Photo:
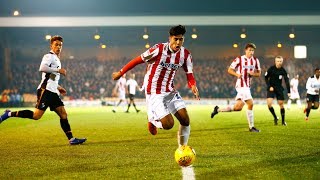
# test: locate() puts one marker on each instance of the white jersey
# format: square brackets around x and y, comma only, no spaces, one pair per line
[294,83]
[50,81]
[132,85]
[243,65]
[121,83]
[313,84]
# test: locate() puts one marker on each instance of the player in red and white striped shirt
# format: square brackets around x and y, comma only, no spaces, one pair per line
[244,68]
[164,59]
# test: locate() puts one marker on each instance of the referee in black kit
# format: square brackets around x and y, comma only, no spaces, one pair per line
[273,78]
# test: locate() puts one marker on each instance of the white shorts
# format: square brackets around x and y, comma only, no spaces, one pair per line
[122,95]
[243,94]
[160,105]
[294,96]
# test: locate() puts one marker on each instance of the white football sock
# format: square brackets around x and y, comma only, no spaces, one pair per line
[250,118]
[183,135]
[299,103]
[289,104]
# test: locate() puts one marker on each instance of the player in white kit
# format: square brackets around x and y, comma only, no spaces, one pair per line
[132,86]
[120,90]
[48,91]
[294,92]
[313,88]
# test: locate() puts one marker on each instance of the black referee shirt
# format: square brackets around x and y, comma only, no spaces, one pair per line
[274,78]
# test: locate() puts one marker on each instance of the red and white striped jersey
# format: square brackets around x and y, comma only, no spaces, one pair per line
[162,66]
[243,65]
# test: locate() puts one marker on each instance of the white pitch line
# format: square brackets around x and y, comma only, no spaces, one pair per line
[188,173]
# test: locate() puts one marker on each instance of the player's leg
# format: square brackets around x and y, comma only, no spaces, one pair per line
[34,115]
[315,102]
[134,104]
[57,106]
[158,113]
[315,105]
[184,127]
[282,112]
[299,103]
[116,105]
[65,126]
[250,116]
[270,97]
[236,107]
[177,107]
[41,106]
[129,104]
[309,106]
[289,103]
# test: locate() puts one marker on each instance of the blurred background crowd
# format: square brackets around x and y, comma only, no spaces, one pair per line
[90,79]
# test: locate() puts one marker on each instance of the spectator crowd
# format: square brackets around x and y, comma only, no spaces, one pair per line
[91,79]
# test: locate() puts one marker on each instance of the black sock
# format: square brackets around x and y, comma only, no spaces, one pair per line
[128,107]
[23,114]
[134,105]
[283,112]
[66,128]
[272,112]
[308,112]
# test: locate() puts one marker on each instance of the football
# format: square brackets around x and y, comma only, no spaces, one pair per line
[185,155]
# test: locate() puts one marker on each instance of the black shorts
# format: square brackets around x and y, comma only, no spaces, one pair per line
[47,99]
[131,97]
[312,98]
[278,94]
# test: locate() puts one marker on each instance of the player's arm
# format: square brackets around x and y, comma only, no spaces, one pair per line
[127,67]
[45,65]
[137,85]
[267,78]
[233,72]
[232,68]
[308,84]
[147,56]
[114,90]
[188,68]
[256,73]
[286,79]
[62,90]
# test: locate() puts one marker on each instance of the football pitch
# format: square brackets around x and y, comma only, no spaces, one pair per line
[119,146]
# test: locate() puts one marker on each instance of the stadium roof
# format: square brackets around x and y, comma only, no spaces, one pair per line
[158,8]
[279,16]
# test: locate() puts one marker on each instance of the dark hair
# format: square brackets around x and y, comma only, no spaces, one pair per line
[177,30]
[55,38]
[250,45]
[317,69]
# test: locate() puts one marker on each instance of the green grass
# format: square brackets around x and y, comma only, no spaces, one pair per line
[120,147]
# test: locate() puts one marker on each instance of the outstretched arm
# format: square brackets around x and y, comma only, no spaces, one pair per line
[127,67]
